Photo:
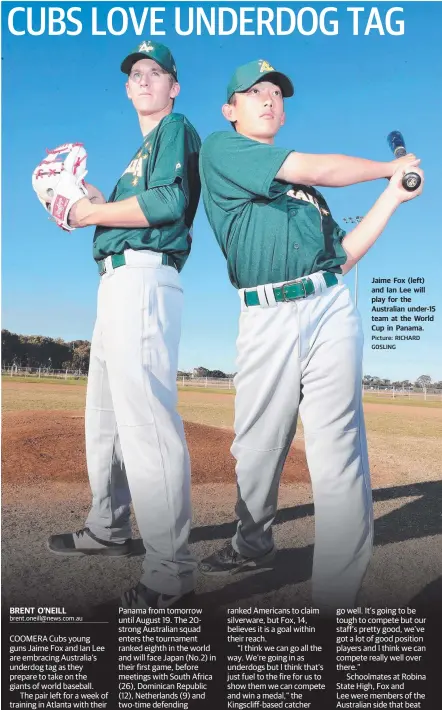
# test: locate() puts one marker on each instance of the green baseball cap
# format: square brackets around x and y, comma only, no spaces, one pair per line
[259,70]
[151,50]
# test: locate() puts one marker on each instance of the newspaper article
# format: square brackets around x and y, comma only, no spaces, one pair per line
[221,477]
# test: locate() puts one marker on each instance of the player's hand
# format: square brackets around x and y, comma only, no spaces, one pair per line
[82,209]
[94,194]
[395,188]
[398,163]
[79,212]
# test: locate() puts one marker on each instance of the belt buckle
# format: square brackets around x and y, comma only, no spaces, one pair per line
[302,281]
[289,283]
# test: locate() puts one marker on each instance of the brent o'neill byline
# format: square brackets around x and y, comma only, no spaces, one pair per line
[41,610]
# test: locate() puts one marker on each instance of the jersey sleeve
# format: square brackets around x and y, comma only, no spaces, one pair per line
[333,233]
[338,232]
[338,235]
[242,165]
[177,154]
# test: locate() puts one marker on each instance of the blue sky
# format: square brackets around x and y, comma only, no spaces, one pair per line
[350,92]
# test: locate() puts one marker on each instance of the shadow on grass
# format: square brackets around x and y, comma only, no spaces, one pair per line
[420,516]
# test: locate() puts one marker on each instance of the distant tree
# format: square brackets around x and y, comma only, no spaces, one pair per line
[12,349]
[372,381]
[80,357]
[218,374]
[201,372]
[423,381]
[34,350]
[402,384]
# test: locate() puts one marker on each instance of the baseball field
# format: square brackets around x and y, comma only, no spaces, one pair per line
[45,490]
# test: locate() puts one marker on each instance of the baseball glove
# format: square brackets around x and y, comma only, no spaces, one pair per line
[59,183]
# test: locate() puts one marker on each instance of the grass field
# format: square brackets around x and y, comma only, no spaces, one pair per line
[404,436]
[399,417]
[404,401]
[413,401]
[46,380]
[23,395]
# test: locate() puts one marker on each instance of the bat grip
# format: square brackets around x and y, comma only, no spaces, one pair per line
[411,180]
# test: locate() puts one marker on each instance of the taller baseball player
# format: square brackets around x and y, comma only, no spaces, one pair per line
[134,437]
[300,338]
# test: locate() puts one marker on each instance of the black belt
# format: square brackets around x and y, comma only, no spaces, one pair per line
[120,260]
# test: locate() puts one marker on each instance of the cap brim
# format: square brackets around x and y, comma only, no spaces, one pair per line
[281,80]
[127,64]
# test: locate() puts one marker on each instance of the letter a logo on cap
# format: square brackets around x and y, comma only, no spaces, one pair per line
[265,66]
[145,47]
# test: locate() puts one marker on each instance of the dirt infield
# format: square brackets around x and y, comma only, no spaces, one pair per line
[43,437]
[45,490]
[43,445]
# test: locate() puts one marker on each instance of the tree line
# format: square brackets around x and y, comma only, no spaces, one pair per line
[424,381]
[38,351]
[45,353]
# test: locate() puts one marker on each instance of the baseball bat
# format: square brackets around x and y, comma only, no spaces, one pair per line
[411,180]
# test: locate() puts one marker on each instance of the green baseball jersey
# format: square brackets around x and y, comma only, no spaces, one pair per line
[163,175]
[269,231]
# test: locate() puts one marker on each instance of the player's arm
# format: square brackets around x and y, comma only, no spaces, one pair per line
[91,209]
[126,213]
[167,203]
[336,170]
[163,202]
[357,242]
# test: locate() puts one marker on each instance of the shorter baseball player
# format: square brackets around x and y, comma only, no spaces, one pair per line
[300,338]
[134,437]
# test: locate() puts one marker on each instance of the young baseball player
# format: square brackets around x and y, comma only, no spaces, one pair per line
[300,338]
[135,442]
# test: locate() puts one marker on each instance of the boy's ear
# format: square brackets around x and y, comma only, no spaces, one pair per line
[229,112]
[175,90]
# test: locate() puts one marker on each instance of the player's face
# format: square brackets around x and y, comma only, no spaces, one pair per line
[259,111]
[150,88]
